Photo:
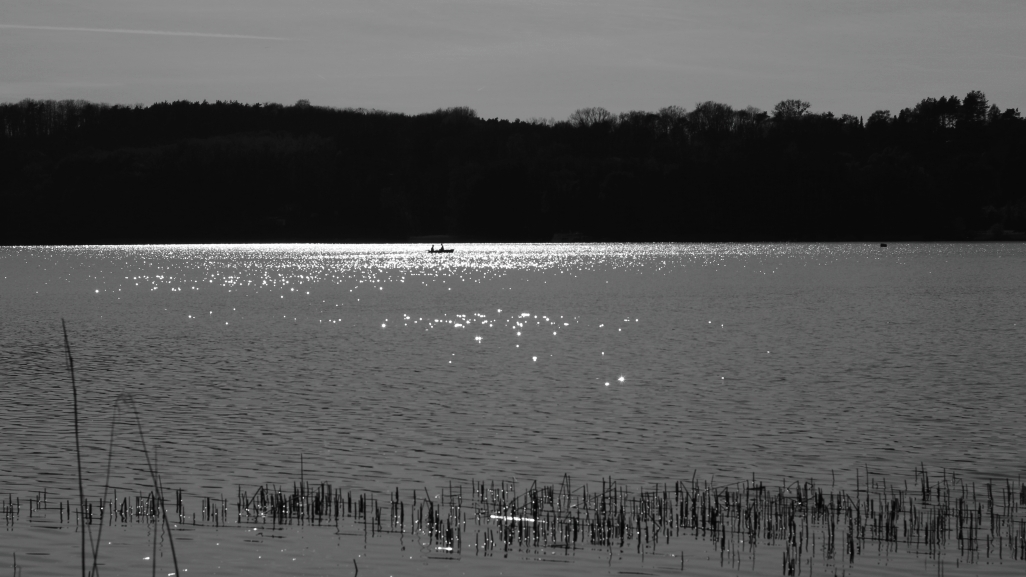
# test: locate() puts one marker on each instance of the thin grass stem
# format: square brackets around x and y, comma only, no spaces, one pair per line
[95,570]
[78,446]
[158,493]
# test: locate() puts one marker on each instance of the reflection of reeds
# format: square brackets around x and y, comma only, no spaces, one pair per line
[156,502]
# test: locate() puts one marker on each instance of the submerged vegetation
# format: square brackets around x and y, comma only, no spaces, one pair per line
[77,172]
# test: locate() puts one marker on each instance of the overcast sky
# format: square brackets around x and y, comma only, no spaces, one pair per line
[516,58]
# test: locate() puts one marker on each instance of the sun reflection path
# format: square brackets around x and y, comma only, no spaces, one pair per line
[288,271]
[523,331]
[297,266]
[330,287]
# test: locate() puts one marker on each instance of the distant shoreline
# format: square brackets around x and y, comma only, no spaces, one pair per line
[73,172]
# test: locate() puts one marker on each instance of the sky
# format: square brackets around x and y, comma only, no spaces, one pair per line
[516,58]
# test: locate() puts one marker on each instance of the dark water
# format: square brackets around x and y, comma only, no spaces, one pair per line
[385,367]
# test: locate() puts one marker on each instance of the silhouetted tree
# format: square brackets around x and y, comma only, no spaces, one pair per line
[583,117]
[673,121]
[974,107]
[790,109]
[878,119]
[711,116]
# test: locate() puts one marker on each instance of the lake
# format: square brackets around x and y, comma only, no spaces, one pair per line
[383,367]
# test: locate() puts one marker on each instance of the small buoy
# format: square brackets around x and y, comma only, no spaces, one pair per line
[883,245]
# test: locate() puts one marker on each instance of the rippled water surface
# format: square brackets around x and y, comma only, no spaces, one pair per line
[385,366]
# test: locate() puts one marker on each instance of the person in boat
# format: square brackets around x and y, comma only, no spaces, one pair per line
[432,248]
[442,249]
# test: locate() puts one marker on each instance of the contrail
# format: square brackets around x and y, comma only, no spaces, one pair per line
[152,32]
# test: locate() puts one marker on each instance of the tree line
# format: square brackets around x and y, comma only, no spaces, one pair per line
[78,172]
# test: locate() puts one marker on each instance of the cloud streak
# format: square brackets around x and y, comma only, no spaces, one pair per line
[143,32]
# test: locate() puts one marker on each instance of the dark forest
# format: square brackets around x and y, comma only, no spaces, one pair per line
[75,172]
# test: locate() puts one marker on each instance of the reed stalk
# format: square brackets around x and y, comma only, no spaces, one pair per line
[95,570]
[157,491]
[78,446]
[158,494]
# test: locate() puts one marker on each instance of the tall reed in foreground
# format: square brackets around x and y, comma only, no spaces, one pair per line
[127,399]
[70,362]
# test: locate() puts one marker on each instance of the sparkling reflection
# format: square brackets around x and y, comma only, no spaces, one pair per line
[369,348]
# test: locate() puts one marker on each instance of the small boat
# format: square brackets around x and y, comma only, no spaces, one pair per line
[433,250]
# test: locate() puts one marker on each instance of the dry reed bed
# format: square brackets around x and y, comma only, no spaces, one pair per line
[931,515]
